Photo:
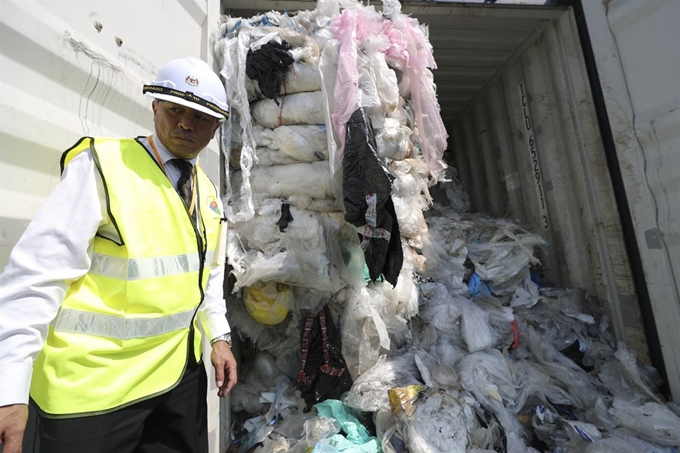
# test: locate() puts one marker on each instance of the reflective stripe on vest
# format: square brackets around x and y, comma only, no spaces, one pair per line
[141,268]
[78,321]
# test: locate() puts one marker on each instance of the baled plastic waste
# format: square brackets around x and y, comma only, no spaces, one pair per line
[450,302]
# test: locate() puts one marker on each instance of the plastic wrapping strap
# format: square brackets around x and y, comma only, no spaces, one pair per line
[514,326]
[324,337]
[368,232]
[302,378]
[326,368]
[331,371]
[372,209]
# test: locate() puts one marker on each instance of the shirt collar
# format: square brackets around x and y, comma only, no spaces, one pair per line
[166,155]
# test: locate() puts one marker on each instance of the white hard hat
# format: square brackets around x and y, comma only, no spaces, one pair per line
[192,83]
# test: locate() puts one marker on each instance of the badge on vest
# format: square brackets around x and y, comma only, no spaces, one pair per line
[212,202]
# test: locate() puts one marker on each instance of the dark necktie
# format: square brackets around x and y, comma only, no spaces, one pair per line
[184,181]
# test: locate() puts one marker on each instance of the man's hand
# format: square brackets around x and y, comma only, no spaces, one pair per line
[12,425]
[225,367]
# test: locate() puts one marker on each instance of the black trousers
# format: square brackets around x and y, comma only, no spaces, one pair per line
[173,422]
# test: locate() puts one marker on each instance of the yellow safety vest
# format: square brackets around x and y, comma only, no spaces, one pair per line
[122,333]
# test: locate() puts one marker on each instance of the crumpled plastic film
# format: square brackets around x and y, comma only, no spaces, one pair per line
[437,424]
[651,421]
[321,427]
[369,391]
[315,250]
[234,53]
[362,333]
[500,258]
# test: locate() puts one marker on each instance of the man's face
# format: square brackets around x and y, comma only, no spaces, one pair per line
[183,130]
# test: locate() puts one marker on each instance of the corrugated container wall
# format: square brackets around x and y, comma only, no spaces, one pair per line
[529,148]
[70,68]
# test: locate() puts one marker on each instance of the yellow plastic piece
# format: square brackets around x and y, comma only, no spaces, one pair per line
[403,398]
[268,302]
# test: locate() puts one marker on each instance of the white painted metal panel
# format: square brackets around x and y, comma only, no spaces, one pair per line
[62,79]
[539,113]
[63,74]
[636,46]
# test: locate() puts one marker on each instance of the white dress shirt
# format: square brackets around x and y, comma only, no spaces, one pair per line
[55,250]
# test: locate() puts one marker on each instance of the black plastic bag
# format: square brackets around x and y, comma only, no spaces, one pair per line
[268,65]
[367,186]
[324,374]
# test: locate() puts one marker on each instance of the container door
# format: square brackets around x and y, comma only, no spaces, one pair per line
[635,46]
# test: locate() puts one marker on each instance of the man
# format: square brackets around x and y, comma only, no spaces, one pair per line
[104,297]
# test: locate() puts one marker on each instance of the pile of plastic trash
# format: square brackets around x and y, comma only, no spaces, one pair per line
[372,319]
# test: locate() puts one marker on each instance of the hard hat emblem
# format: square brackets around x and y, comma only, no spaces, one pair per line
[192,81]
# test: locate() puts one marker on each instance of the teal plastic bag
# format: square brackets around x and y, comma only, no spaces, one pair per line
[356,438]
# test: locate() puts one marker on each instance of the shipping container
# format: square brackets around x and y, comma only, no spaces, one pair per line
[564,115]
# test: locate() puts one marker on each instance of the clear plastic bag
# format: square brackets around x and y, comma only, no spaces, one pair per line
[449,351]
[621,374]
[475,327]
[440,309]
[394,140]
[411,198]
[320,427]
[364,333]
[623,441]
[651,421]
[240,320]
[278,445]
[315,250]
[406,291]
[500,251]
[369,391]
[386,428]
[292,427]
[245,397]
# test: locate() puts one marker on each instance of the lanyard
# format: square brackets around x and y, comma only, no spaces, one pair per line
[160,161]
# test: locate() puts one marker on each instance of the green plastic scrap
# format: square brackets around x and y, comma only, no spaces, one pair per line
[357,439]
